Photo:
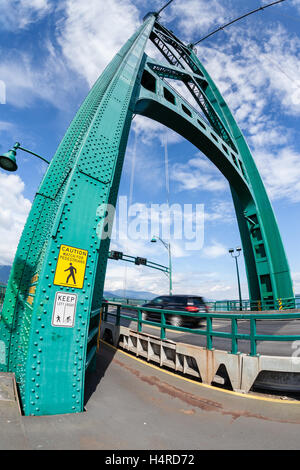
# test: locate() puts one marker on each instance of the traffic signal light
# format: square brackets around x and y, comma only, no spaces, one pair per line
[116,255]
[139,260]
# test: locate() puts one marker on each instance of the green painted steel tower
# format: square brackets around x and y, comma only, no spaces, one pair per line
[49,323]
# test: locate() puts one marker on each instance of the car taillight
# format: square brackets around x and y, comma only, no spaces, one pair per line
[192,309]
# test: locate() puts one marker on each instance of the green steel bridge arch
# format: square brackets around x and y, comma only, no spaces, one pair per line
[48,328]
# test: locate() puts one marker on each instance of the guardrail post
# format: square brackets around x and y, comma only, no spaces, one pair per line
[163,326]
[118,315]
[234,341]
[209,344]
[99,328]
[140,325]
[253,351]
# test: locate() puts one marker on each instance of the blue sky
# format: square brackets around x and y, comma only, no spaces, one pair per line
[53,51]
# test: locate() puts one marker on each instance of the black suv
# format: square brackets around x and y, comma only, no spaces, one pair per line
[186,303]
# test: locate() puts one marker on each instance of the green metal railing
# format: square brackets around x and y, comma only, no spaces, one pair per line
[126,300]
[231,305]
[253,337]
[257,305]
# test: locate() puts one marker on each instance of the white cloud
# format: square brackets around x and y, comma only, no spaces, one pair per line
[21,13]
[93,32]
[196,16]
[296,282]
[211,285]
[280,172]
[215,250]
[296,4]
[149,130]
[138,278]
[6,126]
[89,35]
[27,81]
[258,79]
[14,209]
[220,211]
[260,82]
[198,173]
[133,235]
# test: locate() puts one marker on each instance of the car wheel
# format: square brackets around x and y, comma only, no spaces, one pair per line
[176,320]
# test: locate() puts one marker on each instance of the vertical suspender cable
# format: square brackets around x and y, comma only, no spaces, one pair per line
[167,170]
[130,201]
[168,203]
[132,169]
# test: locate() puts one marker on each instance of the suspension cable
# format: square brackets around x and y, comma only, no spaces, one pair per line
[237,19]
[165,6]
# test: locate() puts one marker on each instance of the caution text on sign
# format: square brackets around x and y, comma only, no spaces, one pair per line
[70,267]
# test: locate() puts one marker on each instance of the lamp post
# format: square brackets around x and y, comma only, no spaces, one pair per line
[168,247]
[235,256]
[8,160]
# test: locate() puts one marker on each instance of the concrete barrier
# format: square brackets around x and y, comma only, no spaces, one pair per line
[209,366]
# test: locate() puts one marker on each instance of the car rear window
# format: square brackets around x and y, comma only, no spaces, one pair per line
[159,300]
[196,301]
[177,300]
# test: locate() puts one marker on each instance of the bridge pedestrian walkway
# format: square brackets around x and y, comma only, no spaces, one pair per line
[133,405]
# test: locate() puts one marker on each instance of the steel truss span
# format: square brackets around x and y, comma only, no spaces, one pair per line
[48,335]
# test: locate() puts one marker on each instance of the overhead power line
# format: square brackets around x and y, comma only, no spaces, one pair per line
[237,19]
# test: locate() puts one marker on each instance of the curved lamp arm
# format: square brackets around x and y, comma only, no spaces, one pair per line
[17,146]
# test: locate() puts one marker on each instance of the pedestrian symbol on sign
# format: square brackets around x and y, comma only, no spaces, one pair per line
[73,271]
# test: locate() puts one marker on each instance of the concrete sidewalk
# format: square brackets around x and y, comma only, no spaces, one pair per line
[131,405]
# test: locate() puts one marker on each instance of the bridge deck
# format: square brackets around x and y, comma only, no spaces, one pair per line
[131,405]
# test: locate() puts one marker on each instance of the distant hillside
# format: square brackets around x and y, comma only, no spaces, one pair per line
[130,294]
[109,294]
[4,274]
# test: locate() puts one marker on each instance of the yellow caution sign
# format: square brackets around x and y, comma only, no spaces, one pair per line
[70,267]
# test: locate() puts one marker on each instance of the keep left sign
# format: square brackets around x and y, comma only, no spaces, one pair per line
[64,310]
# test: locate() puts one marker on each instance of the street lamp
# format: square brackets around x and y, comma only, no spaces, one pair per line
[168,247]
[235,256]
[8,160]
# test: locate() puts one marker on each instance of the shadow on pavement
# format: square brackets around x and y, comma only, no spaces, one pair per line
[95,374]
